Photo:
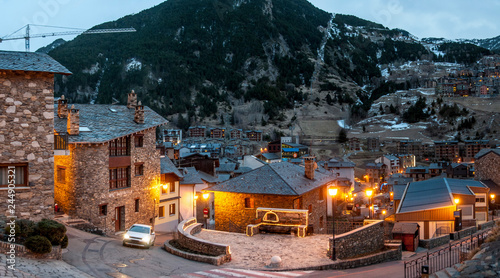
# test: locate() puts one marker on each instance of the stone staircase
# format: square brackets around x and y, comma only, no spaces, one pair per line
[447,272]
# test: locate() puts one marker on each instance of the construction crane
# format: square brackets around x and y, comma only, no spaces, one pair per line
[75,31]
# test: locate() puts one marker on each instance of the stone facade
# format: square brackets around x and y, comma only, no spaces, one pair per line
[23,252]
[365,240]
[231,214]
[27,140]
[487,167]
[86,186]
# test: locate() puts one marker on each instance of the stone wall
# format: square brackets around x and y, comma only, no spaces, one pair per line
[27,136]
[434,242]
[87,184]
[23,252]
[364,240]
[216,254]
[488,167]
[232,216]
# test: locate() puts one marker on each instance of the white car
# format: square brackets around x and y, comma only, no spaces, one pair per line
[139,235]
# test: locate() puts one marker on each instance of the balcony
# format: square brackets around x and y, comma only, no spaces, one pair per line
[61,144]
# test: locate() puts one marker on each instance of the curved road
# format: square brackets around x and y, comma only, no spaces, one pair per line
[105,257]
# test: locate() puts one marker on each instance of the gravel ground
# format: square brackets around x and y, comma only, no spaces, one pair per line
[256,252]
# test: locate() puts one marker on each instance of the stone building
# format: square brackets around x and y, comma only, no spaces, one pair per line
[278,185]
[487,165]
[110,175]
[27,133]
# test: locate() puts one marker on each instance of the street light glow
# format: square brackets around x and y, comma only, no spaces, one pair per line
[369,192]
[332,190]
[457,201]
[205,196]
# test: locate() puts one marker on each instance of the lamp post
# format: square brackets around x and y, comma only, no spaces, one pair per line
[332,191]
[456,203]
[369,193]
[492,198]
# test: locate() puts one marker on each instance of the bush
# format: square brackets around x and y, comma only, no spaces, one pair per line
[38,244]
[24,228]
[52,230]
[64,242]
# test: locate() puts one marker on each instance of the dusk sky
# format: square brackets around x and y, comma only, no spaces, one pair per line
[424,18]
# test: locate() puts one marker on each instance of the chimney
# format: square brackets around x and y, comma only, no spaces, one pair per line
[132,100]
[73,121]
[62,108]
[139,113]
[310,167]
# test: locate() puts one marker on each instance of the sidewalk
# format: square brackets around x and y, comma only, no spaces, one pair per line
[29,268]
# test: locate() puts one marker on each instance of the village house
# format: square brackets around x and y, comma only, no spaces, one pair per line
[197,131]
[110,175]
[254,135]
[217,132]
[447,150]
[170,205]
[375,173]
[432,203]
[341,169]
[27,133]
[236,133]
[279,185]
[487,168]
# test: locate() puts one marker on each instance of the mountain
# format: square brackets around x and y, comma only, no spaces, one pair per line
[243,61]
[46,49]
[192,56]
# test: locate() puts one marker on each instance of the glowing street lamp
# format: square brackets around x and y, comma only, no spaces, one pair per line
[205,196]
[456,203]
[332,191]
[492,200]
[369,193]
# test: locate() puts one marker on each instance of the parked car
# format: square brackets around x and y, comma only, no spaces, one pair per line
[139,235]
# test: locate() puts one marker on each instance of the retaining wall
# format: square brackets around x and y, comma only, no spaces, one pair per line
[363,240]
[23,252]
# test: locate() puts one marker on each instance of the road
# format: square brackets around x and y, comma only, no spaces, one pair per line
[106,257]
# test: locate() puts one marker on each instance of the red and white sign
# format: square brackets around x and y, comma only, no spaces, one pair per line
[205,212]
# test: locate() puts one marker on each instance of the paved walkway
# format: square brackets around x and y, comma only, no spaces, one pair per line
[256,252]
[29,268]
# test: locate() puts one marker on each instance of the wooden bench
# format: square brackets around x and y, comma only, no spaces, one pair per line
[278,220]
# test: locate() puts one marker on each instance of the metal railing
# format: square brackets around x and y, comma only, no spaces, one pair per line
[60,141]
[455,252]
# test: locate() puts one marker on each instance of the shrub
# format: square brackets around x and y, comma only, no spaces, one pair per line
[24,228]
[64,242]
[52,230]
[38,244]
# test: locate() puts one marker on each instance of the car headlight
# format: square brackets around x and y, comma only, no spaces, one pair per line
[126,236]
[146,238]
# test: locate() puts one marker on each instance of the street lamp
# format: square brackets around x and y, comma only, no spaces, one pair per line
[332,191]
[456,203]
[369,193]
[492,197]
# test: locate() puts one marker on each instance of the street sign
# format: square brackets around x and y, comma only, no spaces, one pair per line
[205,212]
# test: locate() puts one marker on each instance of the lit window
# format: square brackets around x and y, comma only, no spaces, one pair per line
[249,203]
[161,211]
[171,209]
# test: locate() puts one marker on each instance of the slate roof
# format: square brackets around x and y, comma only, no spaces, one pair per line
[398,190]
[434,193]
[282,178]
[341,164]
[191,176]
[106,125]
[272,156]
[484,152]
[167,167]
[207,177]
[226,167]
[405,228]
[30,61]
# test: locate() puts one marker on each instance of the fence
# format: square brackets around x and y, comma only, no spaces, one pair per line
[455,252]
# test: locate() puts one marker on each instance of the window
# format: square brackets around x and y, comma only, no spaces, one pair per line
[139,140]
[310,208]
[16,174]
[172,187]
[136,205]
[249,203]
[161,211]
[171,209]
[165,188]
[61,174]
[103,209]
[139,169]
[119,178]
[119,147]
[481,200]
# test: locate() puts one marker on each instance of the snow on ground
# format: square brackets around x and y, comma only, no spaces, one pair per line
[399,126]
[342,124]
[133,65]
[427,92]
